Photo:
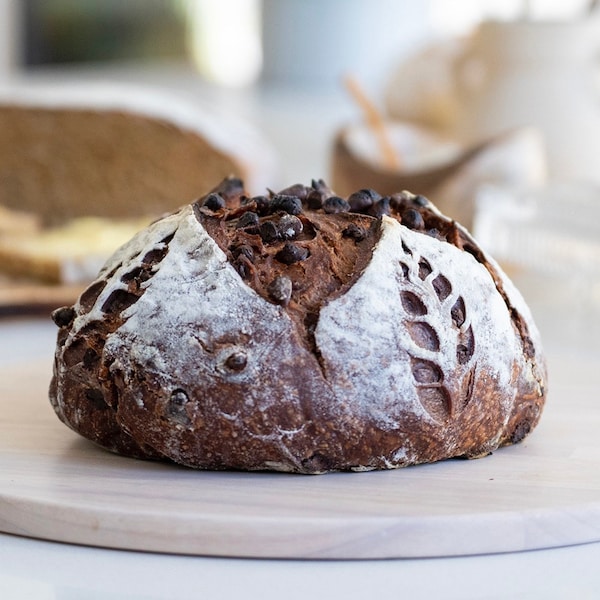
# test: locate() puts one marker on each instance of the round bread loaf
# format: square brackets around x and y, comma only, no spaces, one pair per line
[300,331]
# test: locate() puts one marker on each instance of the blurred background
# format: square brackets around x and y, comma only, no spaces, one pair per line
[234,42]
[411,57]
[489,107]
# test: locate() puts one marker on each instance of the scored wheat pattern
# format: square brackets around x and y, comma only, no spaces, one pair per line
[442,335]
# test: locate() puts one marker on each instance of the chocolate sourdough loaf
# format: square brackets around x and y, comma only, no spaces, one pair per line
[300,331]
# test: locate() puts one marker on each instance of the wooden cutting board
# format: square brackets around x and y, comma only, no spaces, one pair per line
[26,298]
[542,493]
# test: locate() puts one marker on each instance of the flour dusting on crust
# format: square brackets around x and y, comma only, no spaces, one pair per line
[415,351]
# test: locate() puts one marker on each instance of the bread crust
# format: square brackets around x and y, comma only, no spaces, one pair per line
[407,346]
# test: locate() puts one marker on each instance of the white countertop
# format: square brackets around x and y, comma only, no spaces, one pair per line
[41,570]
[35,570]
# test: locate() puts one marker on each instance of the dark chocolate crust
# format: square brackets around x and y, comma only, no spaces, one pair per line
[300,331]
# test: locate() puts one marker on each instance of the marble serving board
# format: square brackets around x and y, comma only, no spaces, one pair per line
[542,493]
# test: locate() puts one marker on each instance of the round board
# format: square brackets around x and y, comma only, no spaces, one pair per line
[542,493]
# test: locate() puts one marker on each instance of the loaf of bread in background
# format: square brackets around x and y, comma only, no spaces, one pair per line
[112,151]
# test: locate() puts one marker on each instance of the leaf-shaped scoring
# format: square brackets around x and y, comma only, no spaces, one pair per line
[444,341]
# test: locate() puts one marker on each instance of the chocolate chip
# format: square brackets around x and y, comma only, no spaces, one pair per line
[400,200]
[420,200]
[243,250]
[236,361]
[335,204]
[298,190]
[413,219]
[280,290]
[355,232]
[319,185]
[319,193]
[291,253]
[244,267]
[247,220]
[289,227]
[262,204]
[214,202]
[380,208]
[64,316]
[230,187]
[363,199]
[268,232]
[315,199]
[289,204]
